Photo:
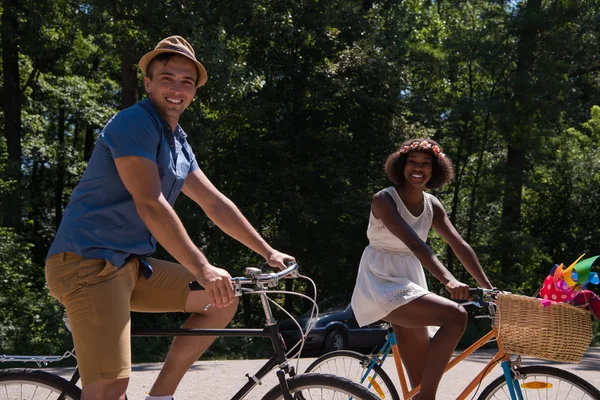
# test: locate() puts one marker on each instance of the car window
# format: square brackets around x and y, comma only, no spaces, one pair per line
[333,304]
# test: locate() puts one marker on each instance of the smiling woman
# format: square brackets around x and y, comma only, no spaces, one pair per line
[391,282]
[441,166]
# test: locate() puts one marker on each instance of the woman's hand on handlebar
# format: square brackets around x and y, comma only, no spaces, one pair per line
[458,290]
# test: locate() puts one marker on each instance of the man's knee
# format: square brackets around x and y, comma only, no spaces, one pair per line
[111,389]
[226,314]
[219,317]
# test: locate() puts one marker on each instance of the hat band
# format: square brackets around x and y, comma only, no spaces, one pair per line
[179,50]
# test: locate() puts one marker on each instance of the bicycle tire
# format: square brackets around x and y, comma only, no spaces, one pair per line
[32,384]
[321,387]
[352,365]
[543,382]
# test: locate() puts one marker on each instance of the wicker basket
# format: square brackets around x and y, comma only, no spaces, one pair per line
[559,332]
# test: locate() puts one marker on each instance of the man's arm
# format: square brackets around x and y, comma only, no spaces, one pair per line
[140,177]
[228,217]
[462,249]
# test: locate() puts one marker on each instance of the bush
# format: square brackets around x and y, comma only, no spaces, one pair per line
[30,320]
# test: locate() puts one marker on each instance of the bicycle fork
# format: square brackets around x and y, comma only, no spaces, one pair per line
[513,384]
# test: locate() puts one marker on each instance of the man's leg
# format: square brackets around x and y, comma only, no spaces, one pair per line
[105,389]
[96,297]
[168,290]
[186,350]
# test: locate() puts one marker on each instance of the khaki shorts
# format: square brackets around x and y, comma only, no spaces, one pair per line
[98,298]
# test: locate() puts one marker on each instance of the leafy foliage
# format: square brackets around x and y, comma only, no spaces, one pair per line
[30,321]
[305,100]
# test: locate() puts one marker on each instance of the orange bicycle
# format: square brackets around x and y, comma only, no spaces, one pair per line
[517,382]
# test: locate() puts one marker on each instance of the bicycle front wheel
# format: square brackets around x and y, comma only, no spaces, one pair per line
[321,387]
[542,382]
[354,366]
[30,384]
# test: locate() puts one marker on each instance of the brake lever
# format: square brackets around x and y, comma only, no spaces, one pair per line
[471,302]
[237,291]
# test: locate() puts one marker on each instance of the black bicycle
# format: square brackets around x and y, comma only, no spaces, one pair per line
[33,384]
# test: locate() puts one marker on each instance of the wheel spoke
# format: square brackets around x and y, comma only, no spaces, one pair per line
[354,366]
[543,383]
[23,384]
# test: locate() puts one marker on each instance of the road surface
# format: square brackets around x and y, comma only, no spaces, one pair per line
[220,379]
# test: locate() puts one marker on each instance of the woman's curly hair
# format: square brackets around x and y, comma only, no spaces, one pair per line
[442,171]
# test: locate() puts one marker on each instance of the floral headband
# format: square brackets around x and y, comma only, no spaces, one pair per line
[424,145]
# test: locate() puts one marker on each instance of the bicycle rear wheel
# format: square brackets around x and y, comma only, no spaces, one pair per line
[543,382]
[321,387]
[31,384]
[354,366]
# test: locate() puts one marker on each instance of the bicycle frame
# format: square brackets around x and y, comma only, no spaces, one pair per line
[261,282]
[278,358]
[499,357]
[270,332]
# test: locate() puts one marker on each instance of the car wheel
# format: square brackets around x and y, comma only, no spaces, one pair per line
[335,340]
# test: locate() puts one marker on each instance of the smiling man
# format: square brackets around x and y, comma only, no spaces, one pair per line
[99,265]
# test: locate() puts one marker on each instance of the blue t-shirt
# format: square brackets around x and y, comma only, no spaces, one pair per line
[101,220]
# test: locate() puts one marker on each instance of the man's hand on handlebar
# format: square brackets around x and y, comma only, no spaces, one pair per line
[279,260]
[217,282]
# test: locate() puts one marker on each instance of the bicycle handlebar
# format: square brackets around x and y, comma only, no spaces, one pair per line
[480,297]
[482,292]
[255,276]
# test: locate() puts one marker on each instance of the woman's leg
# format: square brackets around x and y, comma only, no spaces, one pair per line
[413,343]
[436,311]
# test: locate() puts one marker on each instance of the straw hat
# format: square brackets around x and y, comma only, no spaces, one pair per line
[177,45]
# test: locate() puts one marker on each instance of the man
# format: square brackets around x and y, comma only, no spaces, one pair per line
[98,265]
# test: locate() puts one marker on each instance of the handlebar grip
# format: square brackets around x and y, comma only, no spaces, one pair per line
[194,285]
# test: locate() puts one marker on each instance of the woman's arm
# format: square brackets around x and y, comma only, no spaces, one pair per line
[462,249]
[384,208]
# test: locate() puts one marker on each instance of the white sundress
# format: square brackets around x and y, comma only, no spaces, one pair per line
[390,275]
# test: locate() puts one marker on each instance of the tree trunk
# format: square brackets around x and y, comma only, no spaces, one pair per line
[247,315]
[129,84]
[60,171]
[519,135]
[288,299]
[475,185]
[12,111]
[465,125]
[460,165]
[89,143]
[75,142]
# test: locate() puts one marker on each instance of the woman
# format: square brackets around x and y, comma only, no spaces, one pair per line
[391,282]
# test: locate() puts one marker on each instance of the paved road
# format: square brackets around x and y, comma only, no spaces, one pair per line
[219,380]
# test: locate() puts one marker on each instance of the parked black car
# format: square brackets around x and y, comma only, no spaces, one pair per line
[335,329]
